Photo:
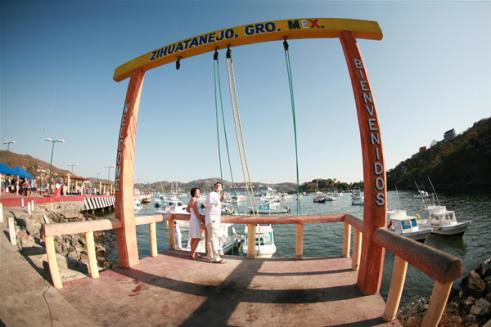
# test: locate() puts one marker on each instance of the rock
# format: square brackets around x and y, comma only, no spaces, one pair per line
[452,307]
[469,302]
[480,308]
[413,322]
[488,324]
[476,285]
[470,319]
[488,297]
[484,268]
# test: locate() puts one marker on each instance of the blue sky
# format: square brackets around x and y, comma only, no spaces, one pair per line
[430,73]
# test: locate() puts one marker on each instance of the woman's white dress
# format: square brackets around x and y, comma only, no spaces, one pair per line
[194,226]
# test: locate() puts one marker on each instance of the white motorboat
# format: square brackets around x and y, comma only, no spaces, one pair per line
[228,239]
[402,224]
[270,208]
[357,199]
[265,247]
[137,204]
[421,195]
[331,197]
[444,222]
[320,198]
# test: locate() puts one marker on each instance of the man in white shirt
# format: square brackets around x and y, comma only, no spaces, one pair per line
[213,213]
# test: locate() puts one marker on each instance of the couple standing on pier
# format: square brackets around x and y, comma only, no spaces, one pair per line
[211,219]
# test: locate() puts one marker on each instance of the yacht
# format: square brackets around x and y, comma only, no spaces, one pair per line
[402,224]
[265,247]
[444,222]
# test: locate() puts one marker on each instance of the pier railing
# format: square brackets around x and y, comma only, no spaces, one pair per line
[441,267]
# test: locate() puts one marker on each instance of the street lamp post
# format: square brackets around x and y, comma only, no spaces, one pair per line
[53,141]
[8,142]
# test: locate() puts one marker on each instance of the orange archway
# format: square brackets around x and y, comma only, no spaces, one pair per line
[347,30]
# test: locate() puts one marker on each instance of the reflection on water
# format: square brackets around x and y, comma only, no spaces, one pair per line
[325,240]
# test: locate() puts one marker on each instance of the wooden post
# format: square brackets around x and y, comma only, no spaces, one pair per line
[374,177]
[153,239]
[346,240]
[93,269]
[355,262]
[251,241]
[53,264]
[439,297]
[396,288]
[172,242]
[299,242]
[124,173]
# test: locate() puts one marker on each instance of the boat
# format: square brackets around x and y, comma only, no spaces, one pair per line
[331,197]
[357,199]
[421,195]
[157,202]
[265,247]
[270,208]
[228,239]
[444,222]
[137,204]
[320,198]
[402,224]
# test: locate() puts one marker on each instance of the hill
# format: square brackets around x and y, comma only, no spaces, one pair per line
[460,164]
[33,165]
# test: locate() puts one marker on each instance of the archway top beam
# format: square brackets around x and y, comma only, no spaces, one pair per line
[248,34]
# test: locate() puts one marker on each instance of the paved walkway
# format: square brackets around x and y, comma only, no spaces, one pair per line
[172,290]
[26,297]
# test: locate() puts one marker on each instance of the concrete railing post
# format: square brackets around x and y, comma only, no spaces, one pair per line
[93,269]
[53,264]
[346,240]
[396,288]
[153,239]
[12,235]
[251,241]
[355,261]
[299,241]
[439,297]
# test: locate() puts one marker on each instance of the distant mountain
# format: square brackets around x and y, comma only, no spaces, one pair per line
[206,184]
[36,168]
[460,164]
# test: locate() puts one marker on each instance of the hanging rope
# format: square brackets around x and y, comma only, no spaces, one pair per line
[218,88]
[292,100]
[215,60]
[238,131]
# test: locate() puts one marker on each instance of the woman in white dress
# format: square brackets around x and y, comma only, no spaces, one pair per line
[195,220]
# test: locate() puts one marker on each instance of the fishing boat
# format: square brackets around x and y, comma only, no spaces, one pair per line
[270,208]
[444,222]
[402,224]
[265,247]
